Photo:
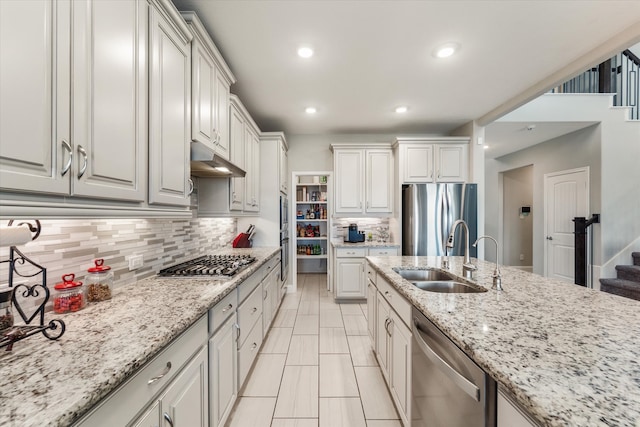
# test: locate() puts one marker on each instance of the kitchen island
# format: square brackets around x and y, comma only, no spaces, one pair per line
[568,355]
[53,383]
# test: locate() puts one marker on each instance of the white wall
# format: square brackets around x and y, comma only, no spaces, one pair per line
[577,149]
[517,230]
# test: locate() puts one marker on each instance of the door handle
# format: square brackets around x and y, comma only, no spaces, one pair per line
[161,375]
[84,161]
[168,418]
[66,167]
[549,238]
[467,386]
[191,186]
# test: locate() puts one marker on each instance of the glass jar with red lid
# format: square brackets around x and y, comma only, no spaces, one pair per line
[69,295]
[99,282]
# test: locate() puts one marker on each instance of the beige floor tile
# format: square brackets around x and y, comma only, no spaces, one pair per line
[333,340]
[309,307]
[350,308]
[381,423]
[361,352]
[277,341]
[341,412]
[303,350]
[264,380]
[363,307]
[252,411]
[306,324]
[355,324]
[331,319]
[286,318]
[290,301]
[337,378]
[376,400]
[298,396]
[328,304]
[294,422]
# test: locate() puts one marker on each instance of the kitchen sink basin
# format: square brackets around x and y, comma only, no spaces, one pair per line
[437,281]
[447,287]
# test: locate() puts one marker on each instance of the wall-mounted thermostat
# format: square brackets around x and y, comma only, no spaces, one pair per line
[525,211]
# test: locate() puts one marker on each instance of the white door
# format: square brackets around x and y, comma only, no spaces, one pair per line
[566,196]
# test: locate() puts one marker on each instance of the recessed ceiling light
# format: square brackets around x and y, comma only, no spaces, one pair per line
[310,110]
[401,109]
[446,50]
[305,52]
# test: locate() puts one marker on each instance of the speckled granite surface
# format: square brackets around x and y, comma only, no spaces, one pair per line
[52,383]
[337,243]
[569,355]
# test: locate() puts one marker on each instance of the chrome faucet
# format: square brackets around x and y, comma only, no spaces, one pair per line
[497,278]
[467,267]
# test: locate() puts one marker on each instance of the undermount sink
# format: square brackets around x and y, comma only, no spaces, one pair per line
[437,281]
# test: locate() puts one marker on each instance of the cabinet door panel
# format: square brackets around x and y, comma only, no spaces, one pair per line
[372,294]
[186,399]
[379,181]
[151,418]
[383,338]
[223,369]
[400,364]
[417,163]
[349,170]
[451,163]
[350,275]
[169,122]
[35,88]
[238,154]
[222,116]
[203,93]
[109,98]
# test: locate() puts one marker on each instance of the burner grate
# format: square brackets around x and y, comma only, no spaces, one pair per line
[210,265]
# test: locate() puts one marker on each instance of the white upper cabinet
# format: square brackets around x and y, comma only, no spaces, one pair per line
[170,102]
[252,179]
[238,148]
[84,136]
[210,82]
[283,167]
[109,99]
[442,159]
[364,179]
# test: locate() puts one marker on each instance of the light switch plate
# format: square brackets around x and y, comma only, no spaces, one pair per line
[135,262]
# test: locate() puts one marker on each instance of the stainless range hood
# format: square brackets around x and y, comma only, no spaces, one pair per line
[206,163]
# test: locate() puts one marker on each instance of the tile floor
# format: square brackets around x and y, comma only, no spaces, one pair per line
[316,368]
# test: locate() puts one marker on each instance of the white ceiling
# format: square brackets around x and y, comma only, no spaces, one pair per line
[372,56]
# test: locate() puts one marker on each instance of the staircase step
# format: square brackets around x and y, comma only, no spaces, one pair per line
[623,288]
[636,258]
[628,272]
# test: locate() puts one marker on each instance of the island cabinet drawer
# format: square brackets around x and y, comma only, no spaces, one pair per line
[248,352]
[383,251]
[222,311]
[397,301]
[351,252]
[249,313]
[371,274]
[122,406]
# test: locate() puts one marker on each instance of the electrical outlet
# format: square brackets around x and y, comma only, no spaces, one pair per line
[521,257]
[135,262]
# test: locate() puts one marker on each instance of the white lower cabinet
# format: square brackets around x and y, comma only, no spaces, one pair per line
[223,368]
[151,418]
[391,340]
[350,282]
[510,414]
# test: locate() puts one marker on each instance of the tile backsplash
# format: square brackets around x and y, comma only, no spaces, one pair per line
[70,246]
[367,225]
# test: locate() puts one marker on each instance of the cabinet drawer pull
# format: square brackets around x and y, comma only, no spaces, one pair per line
[253,346]
[83,169]
[254,310]
[162,374]
[266,293]
[235,325]
[67,166]
[168,419]
[227,308]
[191,186]
[387,294]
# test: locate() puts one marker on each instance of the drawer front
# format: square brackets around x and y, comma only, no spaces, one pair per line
[245,288]
[124,404]
[222,311]
[351,252]
[397,301]
[371,274]
[248,351]
[383,251]
[249,313]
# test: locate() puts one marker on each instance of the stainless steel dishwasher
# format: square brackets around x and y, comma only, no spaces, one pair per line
[449,389]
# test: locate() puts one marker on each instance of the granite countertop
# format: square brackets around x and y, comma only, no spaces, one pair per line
[53,383]
[567,354]
[339,243]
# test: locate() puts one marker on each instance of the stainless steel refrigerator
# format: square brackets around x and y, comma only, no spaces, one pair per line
[429,211]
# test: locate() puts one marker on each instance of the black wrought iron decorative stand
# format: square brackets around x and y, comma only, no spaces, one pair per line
[17,260]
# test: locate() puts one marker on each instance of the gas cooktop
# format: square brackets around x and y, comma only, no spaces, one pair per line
[210,265]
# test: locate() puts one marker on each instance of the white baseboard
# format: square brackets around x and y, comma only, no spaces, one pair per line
[608,269]
[527,268]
